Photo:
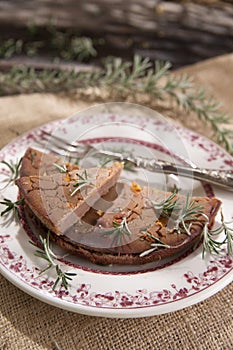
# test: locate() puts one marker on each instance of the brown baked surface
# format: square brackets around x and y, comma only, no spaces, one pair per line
[102,248]
[87,240]
[35,162]
[51,199]
[80,223]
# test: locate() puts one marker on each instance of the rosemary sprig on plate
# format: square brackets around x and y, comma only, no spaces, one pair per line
[168,205]
[119,230]
[61,168]
[81,182]
[210,245]
[184,216]
[47,254]
[14,168]
[156,243]
[11,207]
[179,213]
[189,213]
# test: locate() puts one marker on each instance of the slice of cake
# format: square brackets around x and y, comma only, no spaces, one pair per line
[123,228]
[93,215]
[132,232]
[35,162]
[61,199]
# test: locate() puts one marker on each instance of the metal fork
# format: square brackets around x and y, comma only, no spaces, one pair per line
[223,178]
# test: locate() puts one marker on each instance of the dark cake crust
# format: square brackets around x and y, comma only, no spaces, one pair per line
[181,243]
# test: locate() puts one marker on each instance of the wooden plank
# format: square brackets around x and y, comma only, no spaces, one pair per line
[183,32]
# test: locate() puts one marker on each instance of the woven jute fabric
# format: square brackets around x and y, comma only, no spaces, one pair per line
[26,323]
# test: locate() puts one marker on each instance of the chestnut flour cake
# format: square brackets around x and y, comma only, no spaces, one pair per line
[95,215]
[60,199]
[35,162]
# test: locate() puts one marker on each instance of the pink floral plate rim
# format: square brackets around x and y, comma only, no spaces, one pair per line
[117,303]
[120,303]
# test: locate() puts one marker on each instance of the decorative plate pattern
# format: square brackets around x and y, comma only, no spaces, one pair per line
[145,293]
[85,295]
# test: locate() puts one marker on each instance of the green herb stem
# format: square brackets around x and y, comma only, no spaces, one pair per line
[119,230]
[47,254]
[11,207]
[14,168]
[139,76]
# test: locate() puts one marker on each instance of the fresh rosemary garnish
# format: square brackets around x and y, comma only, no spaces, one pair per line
[81,182]
[178,213]
[210,245]
[14,169]
[189,213]
[11,207]
[156,243]
[168,205]
[47,254]
[183,217]
[61,168]
[119,230]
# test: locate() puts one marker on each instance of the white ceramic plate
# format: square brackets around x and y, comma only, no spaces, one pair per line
[117,291]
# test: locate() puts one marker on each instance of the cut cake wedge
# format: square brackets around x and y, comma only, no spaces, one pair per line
[61,199]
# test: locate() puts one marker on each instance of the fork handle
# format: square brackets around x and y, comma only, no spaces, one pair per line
[223,178]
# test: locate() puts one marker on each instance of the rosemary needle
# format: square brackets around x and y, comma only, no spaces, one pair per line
[14,168]
[61,168]
[119,230]
[135,77]
[11,206]
[81,182]
[183,216]
[47,254]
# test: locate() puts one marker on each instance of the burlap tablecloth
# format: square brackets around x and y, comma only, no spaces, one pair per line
[26,323]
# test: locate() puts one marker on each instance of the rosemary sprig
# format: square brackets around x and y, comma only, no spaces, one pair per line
[11,47]
[14,168]
[168,205]
[119,230]
[81,182]
[156,243]
[142,76]
[229,236]
[104,161]
[180,214]
[207,110]
[211,245]
[47,254]
[66,45]
[61,168]
[189,213]
[124,78]
[184,216]
[11,207]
